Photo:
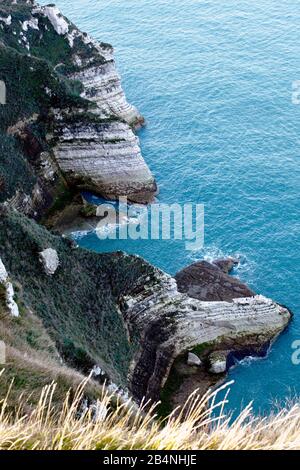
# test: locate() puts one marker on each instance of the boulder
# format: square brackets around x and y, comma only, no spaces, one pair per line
[50,261]
[193,360]
[218,362]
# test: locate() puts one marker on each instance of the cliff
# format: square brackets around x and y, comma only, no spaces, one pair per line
[67,126]
[66,123]
[123,315]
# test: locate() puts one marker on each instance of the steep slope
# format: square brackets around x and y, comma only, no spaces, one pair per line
[120,313]
[42,58]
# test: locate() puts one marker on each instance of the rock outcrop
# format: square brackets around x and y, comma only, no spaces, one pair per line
[7,293]
[209,282]
[70,82]
[103,156]
[102,85]
[171,324]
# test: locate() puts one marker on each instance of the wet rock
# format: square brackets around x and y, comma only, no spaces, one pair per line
[226,264]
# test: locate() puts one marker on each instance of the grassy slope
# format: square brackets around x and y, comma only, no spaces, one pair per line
[78,304]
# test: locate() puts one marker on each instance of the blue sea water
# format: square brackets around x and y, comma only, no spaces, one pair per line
[214,82]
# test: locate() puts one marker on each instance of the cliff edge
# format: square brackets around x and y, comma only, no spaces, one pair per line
[66,122]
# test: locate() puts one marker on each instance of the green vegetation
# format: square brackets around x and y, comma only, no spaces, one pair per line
[78,306]
[172,385]
[200,349]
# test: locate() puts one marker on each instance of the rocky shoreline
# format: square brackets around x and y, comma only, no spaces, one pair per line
[68,127]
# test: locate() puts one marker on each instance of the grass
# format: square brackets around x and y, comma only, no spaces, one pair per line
[78,307]
[200,424]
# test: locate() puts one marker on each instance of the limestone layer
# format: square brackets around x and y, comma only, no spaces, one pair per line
[171,324]
[103,156]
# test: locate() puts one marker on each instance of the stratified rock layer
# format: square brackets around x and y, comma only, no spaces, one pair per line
[171,324]
[103,156]
[71,84]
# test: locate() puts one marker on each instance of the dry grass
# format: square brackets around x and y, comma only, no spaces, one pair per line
[125,428]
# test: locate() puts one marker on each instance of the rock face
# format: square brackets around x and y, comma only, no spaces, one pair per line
[171,324]
[102,85]
[208,282]
[49,260]
[83,131]
[104,157]
[9,294]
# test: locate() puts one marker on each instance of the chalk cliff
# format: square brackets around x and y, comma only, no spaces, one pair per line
[71,85]
[102,155]
[67,126]
[171,324]
[123,315]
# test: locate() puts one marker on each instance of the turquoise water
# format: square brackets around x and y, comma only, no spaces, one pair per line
[214,81]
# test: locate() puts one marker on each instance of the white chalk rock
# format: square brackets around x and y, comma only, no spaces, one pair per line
[50,261]
[193,360]
[99,411]
[56,19]
[218,363]
[3,272]
[11,305]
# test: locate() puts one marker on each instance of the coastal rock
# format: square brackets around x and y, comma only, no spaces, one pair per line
[103,156]
[82,106]
[226,264]
[102,85]
[218,362]
[9,294]
[170,324]
[50,261]
[193,360]
[207,282]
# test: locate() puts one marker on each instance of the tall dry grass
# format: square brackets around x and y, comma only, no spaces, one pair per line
[201,424]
